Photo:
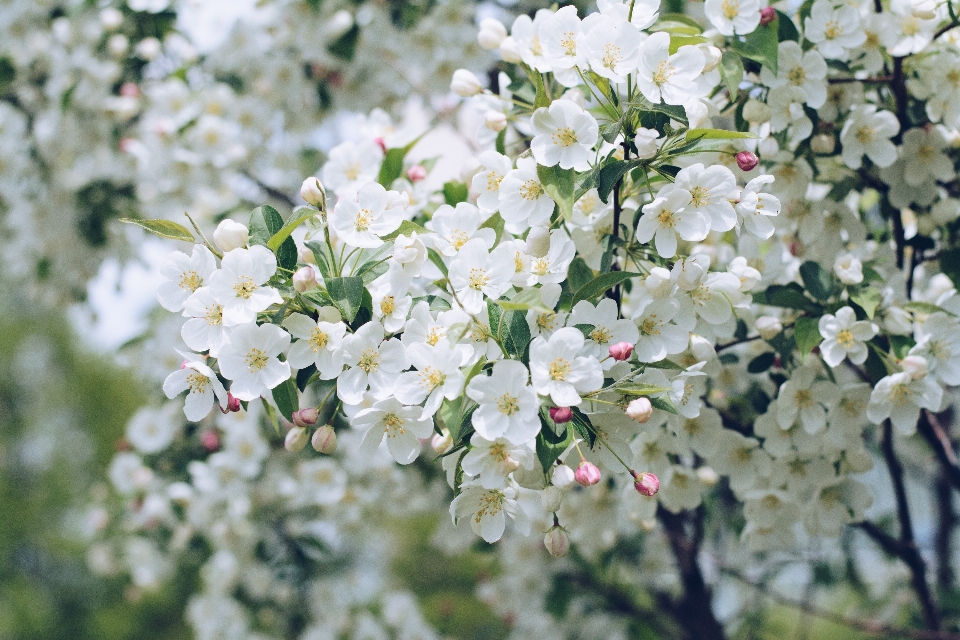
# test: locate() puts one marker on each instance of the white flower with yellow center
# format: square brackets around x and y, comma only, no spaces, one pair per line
[402,427]
[834,28]
[805,398]
[185,274]
[900,396]
[711,190]
[250,360]
[733,17]
[560,36]
[373,363]
[558,372]
[487,181]
[238,285]
[318,342]
[545,321]
[666,218]
[756,208]
[391,302]
[923,151]
[362,217]
[476,272]
[494,460]
[659,336]
[437,376]
[612,47]
[552,268]
[202,384]
[455,227]
[523,201]
[204,331]
[487,510]
[670,77]
[564,134]
[607,329]
[868,132]
[525,35]
[645,12]
[351,165]
[807,71]
[938,340]
[845,337]
[508,404]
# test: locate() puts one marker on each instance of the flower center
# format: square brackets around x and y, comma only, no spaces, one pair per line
[925,153]
[530,190]
[458,239]
[508,404]
[213,314]
[363,220]
[256,360]
[730,8]
[650,326]
[490,504]
[564,137]
[910,26]
[369,360]
[547,320]
[434,335]
[493,181]
[318,340]
[699,196]
[611,56]
[244,287]
[431,378]
[833,29]
[797,76]
[666,220]
[559,369]
[900,395]
[663,72]
[478,278]
[569,43]
[540,266]
[845,339]
[803,398]
[198,382]
[388,305]
[190,281]
[866,134]
[393,425]
[601,335]
[352,171]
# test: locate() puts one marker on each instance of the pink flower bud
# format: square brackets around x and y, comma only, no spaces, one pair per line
[767,15]
[305,417]
[561,414]
[233,404]
[747,161]
[325,440]
[640,410]
[646,483]
[621,351]
[380,142]
[557,541]
[130,90]
[210,440]
[296,439]
[416,173]
[586,474]
[304,279]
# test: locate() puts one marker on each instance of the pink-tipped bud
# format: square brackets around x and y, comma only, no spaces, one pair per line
[325,440]
[561,414]
[210,440]
[440,443]
[586,474]
[767,15]
[557,541]
[184,364]
[416,173]
[646,483]
[640,410]
[304,279]
[296,439]
[305,417]
[380,142]
[747,161]
[233,404]
[621,351]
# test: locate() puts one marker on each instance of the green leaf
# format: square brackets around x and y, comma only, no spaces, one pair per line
[454,192]
[677,41]
[285,395]
[677,23]
[601,284]
[760,45]
[543,99]
[585,329]
[501,144]
[610,174]
[642,389]
[664,404]
[668,365]
[392,167]
[496,223]
[163,228]
[406,228]
[271,414]
[8,72]
[298,217]
[786,29]
[789,296]
[583,426]
[437,260]
[527,299]
[817,280]
[516,333]
[551,446]
[675,112]
[950,264]
[578,274]
[806,332]
[718,134]
[731,71]
[347,295]
[559,185]
[924,307]
[610,131]
[345,46]
[762,362]
[265,221]
[869,299]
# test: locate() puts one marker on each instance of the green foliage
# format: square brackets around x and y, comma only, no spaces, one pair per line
[163,228]
[455,192]
[806,332]
[731,71]
[265,223]
[298,217]
[601,284]
[559,185]
[347,295]
[287,399]
[761,45]
[345,47]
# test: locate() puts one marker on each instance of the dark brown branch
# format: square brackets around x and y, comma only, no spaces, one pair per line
[946,521]
[272,192]
[694,611]
[615,293]
[945,29]
[880,80]
[936,436]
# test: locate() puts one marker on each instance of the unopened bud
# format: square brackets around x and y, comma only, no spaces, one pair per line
[646,484]
[711,57]
[561,415]
[230,235]
[313,192]
[747,160]
[111,18]
[562,476]
[296,439]
[492,33]
[306,256]
[233,404]
[210,440]
[306,417]
[916,366]
[465,83]
[304,279]
[149,48]
[823,144]
[495,120]
[440,443]
[621,351]
[550,499]
[538,241]
[767,15]
[509,51]
[640,409]
[325,440]
[557,542]
[708,476]
[756,112]
[380,142]
[416,173]
[768,327]
[587,473]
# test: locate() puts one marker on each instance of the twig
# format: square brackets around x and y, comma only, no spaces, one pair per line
[272,192]
[946,520]
[880,80]
[936,436]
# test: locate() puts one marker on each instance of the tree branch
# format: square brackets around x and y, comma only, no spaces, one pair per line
[271,192]
[936,436]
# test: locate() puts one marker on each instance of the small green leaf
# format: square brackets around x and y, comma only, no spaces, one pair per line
[345,46]
[501,144]
[949,264]
[559,185]
[677,41]
[285,395]
[406,228]
[761,45]
[610,131]
[516,333]
[818,281]
[786,29]
[437,260]
[347,295]
[578,274]
[634,389]
[163,228]
[265,221]
[584,427]
[718,134]
[789,296]
[731,71]
[392,167]
[454,192]
[527,299]
[869,299]
[762,362]
[924,307]
[551,446]
[806,332]
[298,217]
[601,284]
[610,174]
[664,404]
[668,365]
[496,223]
[585,329]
